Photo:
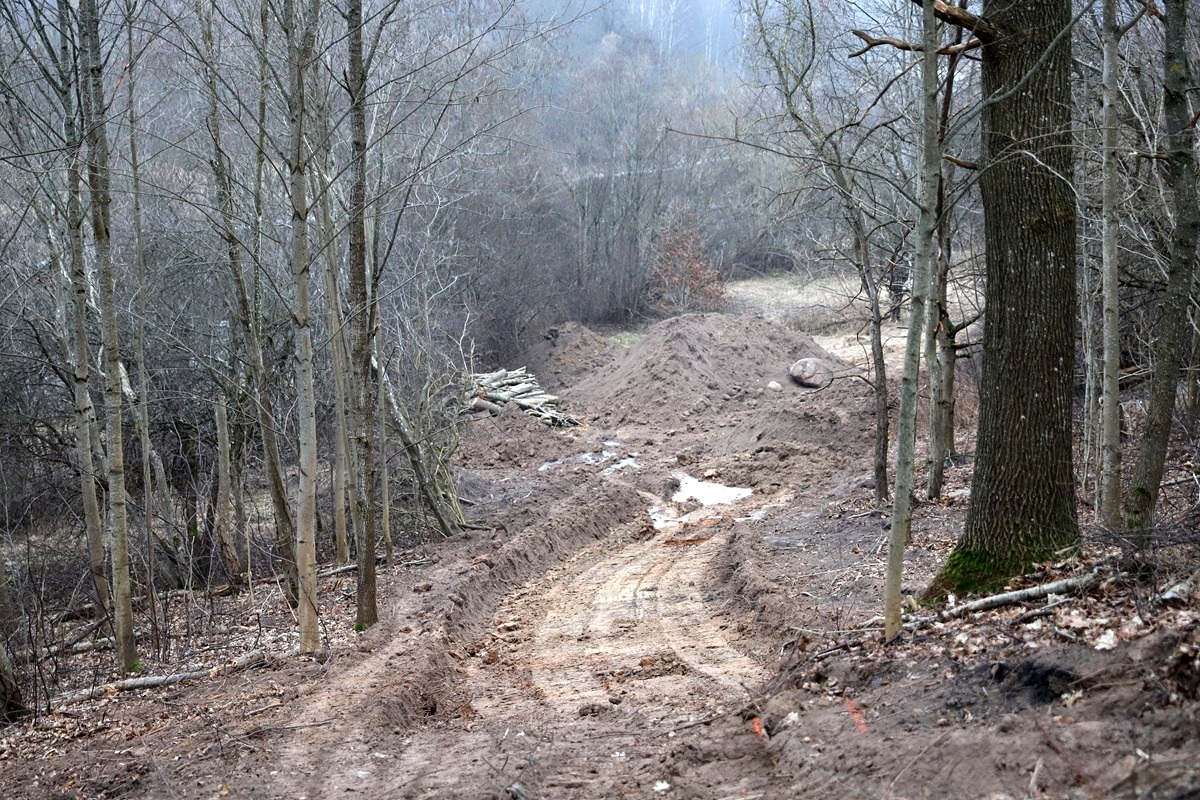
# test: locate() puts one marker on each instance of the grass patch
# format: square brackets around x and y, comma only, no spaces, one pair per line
[626,338]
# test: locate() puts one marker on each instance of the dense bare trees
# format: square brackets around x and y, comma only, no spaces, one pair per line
[456,184]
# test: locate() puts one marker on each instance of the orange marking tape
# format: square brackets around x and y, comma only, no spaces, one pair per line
[758,728]
[856,714]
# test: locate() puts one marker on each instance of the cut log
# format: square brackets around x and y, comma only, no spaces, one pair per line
[493,390]
[483,404]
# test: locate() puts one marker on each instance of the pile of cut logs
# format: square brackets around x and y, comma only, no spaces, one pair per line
[490,391]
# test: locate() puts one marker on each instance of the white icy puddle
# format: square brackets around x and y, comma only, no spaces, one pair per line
[624,463]
[603,457]
[707,493]
[583,458]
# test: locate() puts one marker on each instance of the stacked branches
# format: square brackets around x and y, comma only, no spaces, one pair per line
[491,391]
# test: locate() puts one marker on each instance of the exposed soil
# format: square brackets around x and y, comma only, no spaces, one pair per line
[578,647]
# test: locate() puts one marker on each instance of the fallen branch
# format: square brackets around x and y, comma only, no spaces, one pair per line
[156,681]
[1021,595]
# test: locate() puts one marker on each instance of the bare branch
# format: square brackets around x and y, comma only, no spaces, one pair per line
[958,162]
[963,19]
[900,44]
[872,42]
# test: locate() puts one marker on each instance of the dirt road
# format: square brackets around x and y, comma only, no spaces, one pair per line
[596,636]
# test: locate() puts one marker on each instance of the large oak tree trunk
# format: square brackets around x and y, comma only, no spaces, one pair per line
[1023,497]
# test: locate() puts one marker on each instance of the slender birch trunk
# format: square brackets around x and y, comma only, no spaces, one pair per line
[85,413]
[1180,159]
[906,436]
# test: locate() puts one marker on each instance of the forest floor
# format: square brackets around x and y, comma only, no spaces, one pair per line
[598,638]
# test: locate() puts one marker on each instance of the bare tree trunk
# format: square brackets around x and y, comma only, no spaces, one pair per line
[224,505]
[385,491]
[85,413]
[300,26]
[1023,497]
[879,368]
[363,408]
[941,350]
[1180,160]
[1192,412]
[338,351]
[285,530]
[862,262]
[142,405]
[926,228]
[341,544]
[95,111]
[1109,485]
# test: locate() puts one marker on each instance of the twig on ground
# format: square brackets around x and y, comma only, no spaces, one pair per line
[914,760]
[1055,745]
[1044,611]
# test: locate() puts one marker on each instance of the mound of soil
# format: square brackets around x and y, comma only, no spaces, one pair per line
[687,364]
[513,438]
[567,353]
[572,644]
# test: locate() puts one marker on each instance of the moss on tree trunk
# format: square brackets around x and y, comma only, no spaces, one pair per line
[1023,495]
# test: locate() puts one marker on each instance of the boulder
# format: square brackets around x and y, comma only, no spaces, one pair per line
[811,373]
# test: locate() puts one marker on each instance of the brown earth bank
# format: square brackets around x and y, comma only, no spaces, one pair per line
[603,634]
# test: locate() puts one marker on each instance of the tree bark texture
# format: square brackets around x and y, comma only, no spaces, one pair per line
[362,326]
[1023,497]
[99,181]
[222,514]
[301,25]
[1180,160]
[1109,485]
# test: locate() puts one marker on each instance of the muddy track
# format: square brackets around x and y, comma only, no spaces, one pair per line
[622,652]
[636,619]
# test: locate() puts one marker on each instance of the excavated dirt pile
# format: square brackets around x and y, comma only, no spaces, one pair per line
[676,600]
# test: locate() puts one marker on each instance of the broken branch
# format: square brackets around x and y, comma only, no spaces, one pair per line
[155,681]
[1021,595]
[963,19]
[900,44]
